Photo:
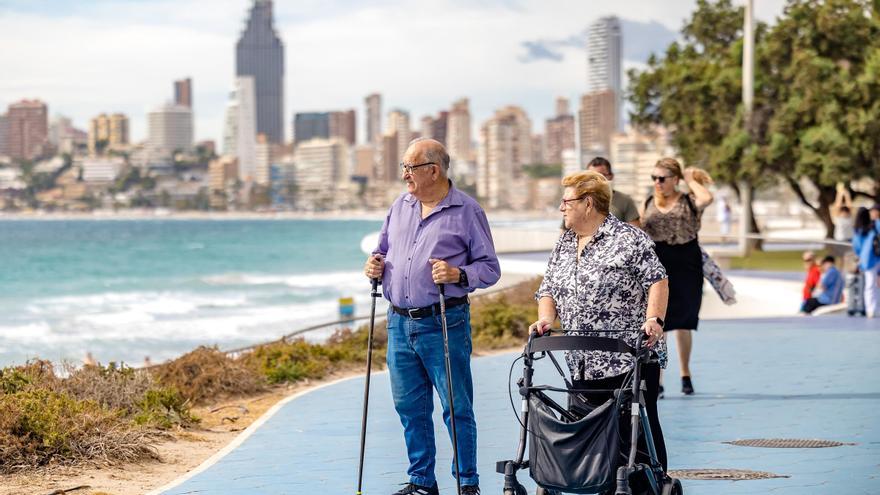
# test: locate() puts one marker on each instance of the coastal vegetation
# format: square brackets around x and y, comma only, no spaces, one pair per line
[115,414]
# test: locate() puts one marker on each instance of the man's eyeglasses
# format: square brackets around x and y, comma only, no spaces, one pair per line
[566,202]
[409,167]
[660,178]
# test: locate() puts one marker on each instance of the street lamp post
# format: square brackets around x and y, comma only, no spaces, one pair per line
[748,97]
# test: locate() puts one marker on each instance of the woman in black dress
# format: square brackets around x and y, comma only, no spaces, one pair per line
[672,220]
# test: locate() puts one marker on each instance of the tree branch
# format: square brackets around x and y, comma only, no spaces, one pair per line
[800,193]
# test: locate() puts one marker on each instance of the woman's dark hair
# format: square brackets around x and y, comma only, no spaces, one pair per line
[862,223]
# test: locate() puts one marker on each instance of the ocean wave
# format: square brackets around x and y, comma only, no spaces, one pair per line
[314,281]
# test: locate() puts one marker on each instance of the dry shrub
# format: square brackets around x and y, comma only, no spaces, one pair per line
[40,426]
[34,374]
[114,386]
[206,374]
[502,320]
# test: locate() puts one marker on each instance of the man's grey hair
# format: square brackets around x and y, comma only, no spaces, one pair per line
[434,154]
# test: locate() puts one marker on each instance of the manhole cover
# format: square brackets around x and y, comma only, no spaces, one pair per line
[787,443]
[723,474]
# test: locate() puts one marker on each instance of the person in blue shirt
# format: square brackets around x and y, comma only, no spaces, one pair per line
[830,290]
[867,228]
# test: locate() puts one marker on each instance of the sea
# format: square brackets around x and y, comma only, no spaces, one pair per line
[143,290]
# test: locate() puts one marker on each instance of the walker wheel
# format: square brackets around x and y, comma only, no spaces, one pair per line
[672,487]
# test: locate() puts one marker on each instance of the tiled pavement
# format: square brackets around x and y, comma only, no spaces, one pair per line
[771,378]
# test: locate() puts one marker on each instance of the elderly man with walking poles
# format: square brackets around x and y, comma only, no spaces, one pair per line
[434,248]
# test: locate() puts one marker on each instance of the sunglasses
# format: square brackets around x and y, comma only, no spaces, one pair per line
[660,178]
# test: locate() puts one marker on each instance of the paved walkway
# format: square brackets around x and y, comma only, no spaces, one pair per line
[795,377]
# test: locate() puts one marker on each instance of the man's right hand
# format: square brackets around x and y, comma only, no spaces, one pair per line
[375,266]
[541,326]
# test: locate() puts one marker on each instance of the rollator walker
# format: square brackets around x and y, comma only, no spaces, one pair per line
[590,446]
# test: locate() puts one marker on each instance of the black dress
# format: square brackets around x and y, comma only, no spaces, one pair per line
[675,238]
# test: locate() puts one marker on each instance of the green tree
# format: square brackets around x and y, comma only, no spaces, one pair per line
[816,108]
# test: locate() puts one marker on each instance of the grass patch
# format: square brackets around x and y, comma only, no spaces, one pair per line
[786,261]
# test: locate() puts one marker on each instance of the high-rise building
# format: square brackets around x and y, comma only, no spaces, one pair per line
[344,125]
[325,125]
[633,156]
[183,92]
[240,129]
[604,62]
[222,175]
[505,146]
[373,103]
[260,53]
[558,133]
[107,132]
[264,156]
[4,135]
[170,130]
[322,168]
[64,137]
[310,125]
[435,128]
[27,127]
[458,131]
[597,122]
[399,127]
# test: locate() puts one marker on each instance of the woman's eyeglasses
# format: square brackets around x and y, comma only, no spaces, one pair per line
[660,178]
[566,202]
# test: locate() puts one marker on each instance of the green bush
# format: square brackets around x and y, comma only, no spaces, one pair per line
[498,324]
[39,426]
[164,408]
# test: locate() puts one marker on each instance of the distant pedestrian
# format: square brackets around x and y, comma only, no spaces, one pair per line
[841,215]
[723,215]
[830,289]
[672,220]
[866,244]
[433,234]
[622,205]
[812,279]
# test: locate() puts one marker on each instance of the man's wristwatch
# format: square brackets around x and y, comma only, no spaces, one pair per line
[658,320]
[462,278]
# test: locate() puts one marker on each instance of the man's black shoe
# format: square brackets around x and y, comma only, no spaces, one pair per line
[414,489]
[470,490]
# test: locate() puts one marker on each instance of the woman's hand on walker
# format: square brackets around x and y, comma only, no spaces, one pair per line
[541,326]
[653,330]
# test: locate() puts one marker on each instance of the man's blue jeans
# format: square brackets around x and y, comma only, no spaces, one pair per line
[416,364]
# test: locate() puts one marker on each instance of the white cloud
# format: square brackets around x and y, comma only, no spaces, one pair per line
[123,56]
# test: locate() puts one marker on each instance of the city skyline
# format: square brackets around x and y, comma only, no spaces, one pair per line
[326,44]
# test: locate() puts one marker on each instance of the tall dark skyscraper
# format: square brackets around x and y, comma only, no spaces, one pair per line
[260,53]
[183,92]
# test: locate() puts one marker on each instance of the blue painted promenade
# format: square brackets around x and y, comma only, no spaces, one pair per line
[797,377]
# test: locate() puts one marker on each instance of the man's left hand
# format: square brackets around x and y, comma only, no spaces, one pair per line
[443,273]
[654,332]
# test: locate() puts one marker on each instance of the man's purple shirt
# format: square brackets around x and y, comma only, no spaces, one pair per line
[456,231]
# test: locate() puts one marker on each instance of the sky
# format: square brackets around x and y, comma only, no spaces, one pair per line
[87,57]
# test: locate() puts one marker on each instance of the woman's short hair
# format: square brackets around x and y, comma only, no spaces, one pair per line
[592,184]
[670,165]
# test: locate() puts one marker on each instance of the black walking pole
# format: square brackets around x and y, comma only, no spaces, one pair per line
[449,387]
[374,294]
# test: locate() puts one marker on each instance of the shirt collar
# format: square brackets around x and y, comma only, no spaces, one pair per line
[606,227]
[453,198]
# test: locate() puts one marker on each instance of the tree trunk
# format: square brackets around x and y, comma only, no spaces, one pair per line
[823,210]
[753,226]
